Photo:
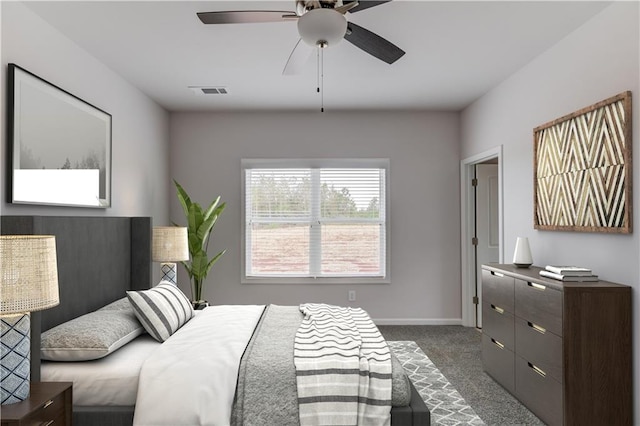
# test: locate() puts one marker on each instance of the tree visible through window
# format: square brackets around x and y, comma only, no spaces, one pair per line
[315,222]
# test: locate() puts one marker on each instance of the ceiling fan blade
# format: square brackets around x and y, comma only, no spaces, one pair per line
[246,16]
[366,4]
[347,7]
[373,43]
[298,58]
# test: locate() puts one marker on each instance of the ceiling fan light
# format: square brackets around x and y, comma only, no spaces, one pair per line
[322,26]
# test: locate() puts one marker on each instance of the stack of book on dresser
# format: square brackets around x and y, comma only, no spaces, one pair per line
[568,273]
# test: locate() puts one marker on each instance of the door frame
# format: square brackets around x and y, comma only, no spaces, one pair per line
[467,228]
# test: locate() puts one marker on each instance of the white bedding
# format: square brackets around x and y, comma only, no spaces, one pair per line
[191,380]
[109,381]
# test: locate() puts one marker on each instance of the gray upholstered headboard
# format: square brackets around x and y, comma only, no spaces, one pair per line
[99,258]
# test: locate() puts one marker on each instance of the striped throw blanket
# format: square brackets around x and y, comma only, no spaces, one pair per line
[343,368]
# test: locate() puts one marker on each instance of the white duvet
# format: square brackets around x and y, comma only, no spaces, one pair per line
[191,378]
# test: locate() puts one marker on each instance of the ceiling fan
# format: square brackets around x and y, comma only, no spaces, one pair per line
[321,23]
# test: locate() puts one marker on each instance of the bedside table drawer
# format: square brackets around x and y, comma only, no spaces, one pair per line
[540,347]
[50,414]
[498,323]
[497,289]
[540,304]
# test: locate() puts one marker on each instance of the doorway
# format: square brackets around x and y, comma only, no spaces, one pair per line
[481,227]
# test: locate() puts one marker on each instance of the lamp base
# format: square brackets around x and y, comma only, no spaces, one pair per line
[169,272]
[15,354]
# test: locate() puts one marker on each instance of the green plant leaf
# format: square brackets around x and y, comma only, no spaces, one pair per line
[211,207]
[199,264]
[214,260]
[205,228]
[187,266]
[183,197]
[194,222]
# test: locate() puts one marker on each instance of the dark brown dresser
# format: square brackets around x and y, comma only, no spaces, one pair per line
[562,348]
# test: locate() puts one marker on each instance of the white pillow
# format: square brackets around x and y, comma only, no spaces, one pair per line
[162,310]
[90,336]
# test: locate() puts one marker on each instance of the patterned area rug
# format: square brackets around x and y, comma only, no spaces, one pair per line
[446,405]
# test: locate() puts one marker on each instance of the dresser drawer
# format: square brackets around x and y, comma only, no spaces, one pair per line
[498,323]
[539,392]
[539,304]
[539,347]
[497,289]
[498,362]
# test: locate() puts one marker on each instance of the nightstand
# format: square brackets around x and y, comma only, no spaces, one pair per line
[49,403]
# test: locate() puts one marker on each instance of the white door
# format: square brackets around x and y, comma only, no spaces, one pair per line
[487,233]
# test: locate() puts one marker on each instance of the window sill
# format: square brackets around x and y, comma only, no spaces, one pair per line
[314,281]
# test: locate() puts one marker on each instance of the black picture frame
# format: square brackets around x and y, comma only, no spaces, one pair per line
[59,146]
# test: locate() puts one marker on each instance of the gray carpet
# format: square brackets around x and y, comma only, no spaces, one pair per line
[455,351]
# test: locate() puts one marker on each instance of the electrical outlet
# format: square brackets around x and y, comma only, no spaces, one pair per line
[352,295]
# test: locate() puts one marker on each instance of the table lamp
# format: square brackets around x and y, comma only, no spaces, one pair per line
[170,245]
[28,282]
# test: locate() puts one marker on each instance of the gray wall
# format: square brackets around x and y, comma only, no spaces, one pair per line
[597,61]
[140,162]
[423,148]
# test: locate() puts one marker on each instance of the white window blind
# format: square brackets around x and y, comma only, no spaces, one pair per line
[315,222]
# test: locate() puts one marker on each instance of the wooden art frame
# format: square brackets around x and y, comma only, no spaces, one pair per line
[582,169]
[59,146]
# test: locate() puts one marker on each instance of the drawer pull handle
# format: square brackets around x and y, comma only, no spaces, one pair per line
[497,309]
[497,274]
[537,370]
[537,328]
[48,403]
[537,286]
[498,344]
[49,423]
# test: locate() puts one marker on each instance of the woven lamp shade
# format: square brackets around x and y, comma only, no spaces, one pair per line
[170,244]
[28,273]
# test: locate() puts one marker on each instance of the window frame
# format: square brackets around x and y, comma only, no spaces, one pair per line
[251,163]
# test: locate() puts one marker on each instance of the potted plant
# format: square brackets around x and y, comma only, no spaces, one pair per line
[200,223]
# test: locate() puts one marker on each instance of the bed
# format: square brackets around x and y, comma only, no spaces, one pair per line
[99,260]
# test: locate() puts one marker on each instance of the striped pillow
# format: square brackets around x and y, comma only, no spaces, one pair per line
[162,310]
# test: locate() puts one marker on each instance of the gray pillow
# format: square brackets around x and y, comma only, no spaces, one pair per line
[91,336]
[118,305]
[162,310]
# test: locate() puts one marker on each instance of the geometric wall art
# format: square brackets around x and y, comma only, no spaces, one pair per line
[582,169]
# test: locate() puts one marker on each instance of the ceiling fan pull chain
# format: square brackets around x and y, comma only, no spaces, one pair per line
[318,69]
[320,76]
[321,79]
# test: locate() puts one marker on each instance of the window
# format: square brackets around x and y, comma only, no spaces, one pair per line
[315,219]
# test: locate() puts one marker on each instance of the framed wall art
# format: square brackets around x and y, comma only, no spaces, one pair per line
[582,169]
[59,145]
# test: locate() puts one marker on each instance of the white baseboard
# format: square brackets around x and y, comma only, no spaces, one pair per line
[417,321]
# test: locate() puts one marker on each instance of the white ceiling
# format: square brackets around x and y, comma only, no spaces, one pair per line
[456,51]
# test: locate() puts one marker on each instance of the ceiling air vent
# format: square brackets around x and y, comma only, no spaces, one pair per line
[209,90]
